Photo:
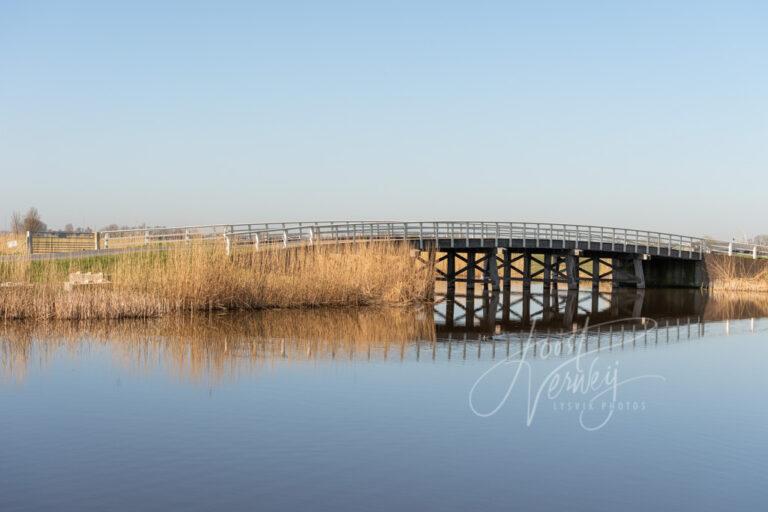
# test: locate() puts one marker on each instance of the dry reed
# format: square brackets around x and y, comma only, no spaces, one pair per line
[203,278]
[735,273]
[20,246]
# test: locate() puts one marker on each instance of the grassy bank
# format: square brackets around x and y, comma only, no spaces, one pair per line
[736,273]
[202,278]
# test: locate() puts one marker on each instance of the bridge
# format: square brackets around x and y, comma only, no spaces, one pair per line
[494,254]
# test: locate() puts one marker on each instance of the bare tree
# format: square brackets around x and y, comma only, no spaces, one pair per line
[17,223]
[30,222]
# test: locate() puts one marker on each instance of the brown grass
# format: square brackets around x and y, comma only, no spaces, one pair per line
[202,278]
[21,244]
[735,273]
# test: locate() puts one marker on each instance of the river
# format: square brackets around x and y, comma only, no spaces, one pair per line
[590,401]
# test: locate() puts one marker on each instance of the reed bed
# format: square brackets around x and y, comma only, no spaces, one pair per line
[6,238]
[202,277]
[737,274]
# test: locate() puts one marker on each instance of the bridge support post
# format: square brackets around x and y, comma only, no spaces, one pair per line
[546,305]
[615,271]
[469,311]
[526,313]
[614,307]
[491,273]
[490,307]
[527,270]
[506,300]
[451,272]
[637,262]
[595,302]
[595,272]
[637,306]
[572,271]
[571,307]
[507,268]
[450,307]
[470,274]
[547,274]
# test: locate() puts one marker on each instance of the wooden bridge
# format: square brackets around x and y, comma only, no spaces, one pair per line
[494,254]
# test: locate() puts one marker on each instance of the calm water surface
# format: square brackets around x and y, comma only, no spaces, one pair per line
[391,409]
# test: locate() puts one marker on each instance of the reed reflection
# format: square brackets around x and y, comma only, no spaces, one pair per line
[217,347]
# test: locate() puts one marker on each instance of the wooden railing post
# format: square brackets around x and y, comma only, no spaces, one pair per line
[467,235]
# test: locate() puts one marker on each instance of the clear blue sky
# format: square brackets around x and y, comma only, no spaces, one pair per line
[642,114]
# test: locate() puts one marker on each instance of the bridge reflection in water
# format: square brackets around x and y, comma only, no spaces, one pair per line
[553,309]
[483,326]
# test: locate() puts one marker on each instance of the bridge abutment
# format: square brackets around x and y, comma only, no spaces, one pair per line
[638,272]
[628,271]
[674,273]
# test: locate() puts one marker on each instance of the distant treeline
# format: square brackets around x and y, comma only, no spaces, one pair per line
[32,221]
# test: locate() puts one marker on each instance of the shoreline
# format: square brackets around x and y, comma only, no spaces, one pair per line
[202,280]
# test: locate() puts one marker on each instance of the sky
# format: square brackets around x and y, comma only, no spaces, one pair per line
[649,115]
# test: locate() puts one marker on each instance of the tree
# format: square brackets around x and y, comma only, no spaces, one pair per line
[31,221]
[17,223]
[69,228]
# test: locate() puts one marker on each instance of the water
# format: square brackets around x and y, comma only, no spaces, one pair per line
[371,409]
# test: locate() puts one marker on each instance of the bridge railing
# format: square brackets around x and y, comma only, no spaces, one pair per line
[736,248]
[287,233]
[136,237]
[452,231]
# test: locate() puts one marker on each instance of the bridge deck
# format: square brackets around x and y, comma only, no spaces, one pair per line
[549,245]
